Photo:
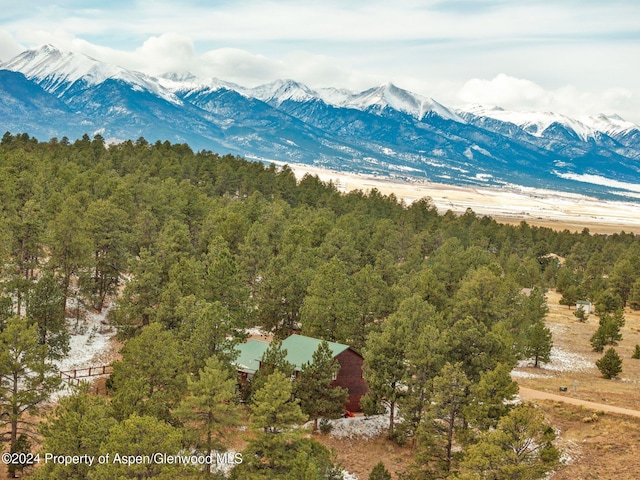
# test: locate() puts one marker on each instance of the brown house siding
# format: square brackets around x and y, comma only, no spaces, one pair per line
[350,377]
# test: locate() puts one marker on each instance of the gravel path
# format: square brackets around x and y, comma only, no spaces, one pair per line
[530,394]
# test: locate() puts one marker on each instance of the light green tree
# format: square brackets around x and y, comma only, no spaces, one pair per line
[484,296]
[27,379]
[318,398]
[140,437]
[209,410]
[77,426]
[273,359]
[273,408]
[491,398]
[519,448]
[207,329]
[286,457]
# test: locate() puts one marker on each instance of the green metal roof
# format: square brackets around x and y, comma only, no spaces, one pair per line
[300,349]
[250,354]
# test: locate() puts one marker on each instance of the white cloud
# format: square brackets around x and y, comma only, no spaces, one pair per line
[502,90]
[236,65]
[9,48]
[524,95]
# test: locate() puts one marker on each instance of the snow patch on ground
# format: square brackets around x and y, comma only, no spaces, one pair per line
[90,344]
[257,332]
[563,361]
[349,476]
[224,467]
[357,427]
[523,374]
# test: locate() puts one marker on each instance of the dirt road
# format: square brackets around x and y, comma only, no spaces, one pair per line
[530,394]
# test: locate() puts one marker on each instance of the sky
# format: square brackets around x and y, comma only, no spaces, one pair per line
[577,57]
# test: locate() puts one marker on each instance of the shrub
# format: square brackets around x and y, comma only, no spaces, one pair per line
[379,472]
[325,426]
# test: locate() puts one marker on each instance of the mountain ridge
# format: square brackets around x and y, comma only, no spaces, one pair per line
[384,130]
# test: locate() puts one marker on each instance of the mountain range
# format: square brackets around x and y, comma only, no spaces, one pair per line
[385,130]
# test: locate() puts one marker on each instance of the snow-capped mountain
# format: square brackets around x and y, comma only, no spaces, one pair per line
[536,123]
[390,96]
[57,71]
[384,130]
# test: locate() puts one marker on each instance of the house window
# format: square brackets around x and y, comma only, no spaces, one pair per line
[335,375]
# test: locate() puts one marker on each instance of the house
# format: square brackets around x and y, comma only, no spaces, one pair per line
[585,306]
[300,350]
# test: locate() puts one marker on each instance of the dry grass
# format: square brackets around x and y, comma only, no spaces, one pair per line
[360,456]
[604,446]
[573,362]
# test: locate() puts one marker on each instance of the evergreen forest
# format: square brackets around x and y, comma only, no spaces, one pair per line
[191,249]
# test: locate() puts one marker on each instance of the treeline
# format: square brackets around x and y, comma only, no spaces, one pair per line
[194,247]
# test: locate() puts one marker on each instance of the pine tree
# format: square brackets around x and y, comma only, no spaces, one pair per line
[207,329]
[610,365]
[273,359]
[538,343]
[636,352]
[385,369]
[273,408]
[150,377]
[314,390]
[491,398]
[448,401]
[608,332]
[27,379]
[77,426]
[46,310]
[107,226]
[140,437]
[69,244]
[209,410]
[330,311]
[580,314]
[287,457]
[520,447]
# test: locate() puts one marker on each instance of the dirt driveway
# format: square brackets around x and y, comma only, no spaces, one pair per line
[530,394]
